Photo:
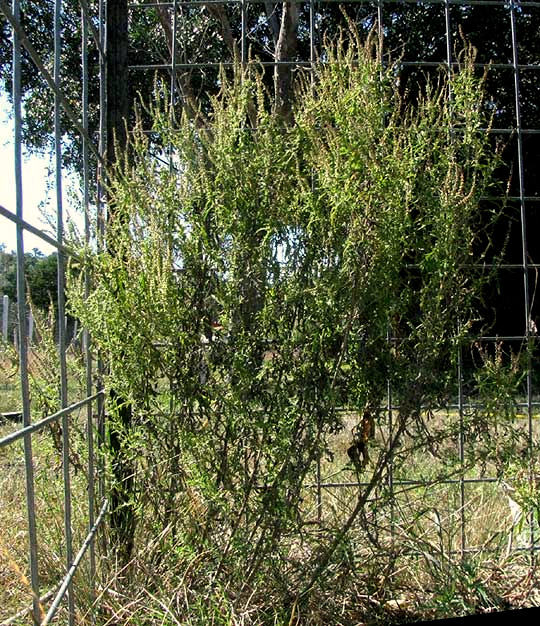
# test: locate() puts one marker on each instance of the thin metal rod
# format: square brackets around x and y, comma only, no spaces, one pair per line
[258,63]
[66,583]
[459,372]
[319,491]
[390,331]
[521,170]
[447,23]
[490,131]
[243,32]
[390,479]
[16,219]
[100,217]
[524,247]
[406,483]
[61,322]
[461,448]
[54,417]
[86,335]
[312,34]
[380,32]
[89,24]
[312,59]
[172,100]
[21,309]
[188,3]
[216,64]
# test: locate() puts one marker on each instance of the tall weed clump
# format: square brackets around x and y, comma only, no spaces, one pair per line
[270,275]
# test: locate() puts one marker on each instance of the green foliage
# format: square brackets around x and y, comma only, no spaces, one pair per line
[275,274]
[40,274]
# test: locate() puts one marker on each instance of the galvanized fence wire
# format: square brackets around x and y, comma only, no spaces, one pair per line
[94,37]
[96,509]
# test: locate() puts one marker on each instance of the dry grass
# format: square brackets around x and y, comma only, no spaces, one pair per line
[402,561]
[15,590]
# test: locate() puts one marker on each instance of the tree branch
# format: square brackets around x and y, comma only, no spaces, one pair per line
[219,12]
[285,49]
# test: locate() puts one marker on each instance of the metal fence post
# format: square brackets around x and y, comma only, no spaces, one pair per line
[5,317]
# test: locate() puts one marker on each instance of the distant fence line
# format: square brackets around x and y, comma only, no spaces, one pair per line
[10,324]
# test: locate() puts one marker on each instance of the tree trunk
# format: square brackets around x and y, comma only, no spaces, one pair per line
[285,50]
[117,79]
[122,516]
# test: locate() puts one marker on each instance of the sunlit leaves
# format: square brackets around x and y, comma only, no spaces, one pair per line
[277,272]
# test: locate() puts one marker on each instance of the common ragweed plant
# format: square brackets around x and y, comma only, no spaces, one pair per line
[273,273]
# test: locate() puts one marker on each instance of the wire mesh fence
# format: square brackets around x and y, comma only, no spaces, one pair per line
[186,44]
[73,412]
